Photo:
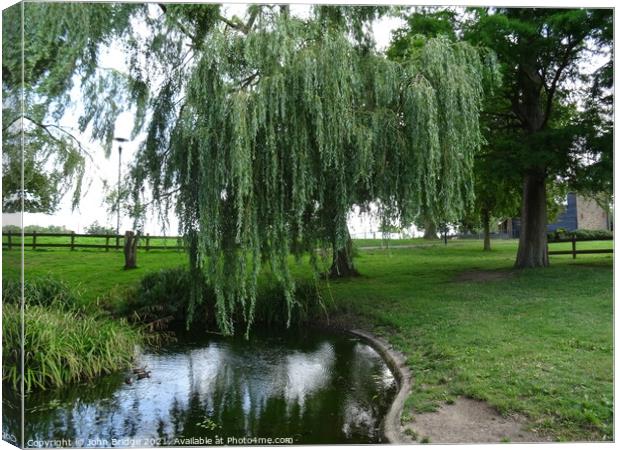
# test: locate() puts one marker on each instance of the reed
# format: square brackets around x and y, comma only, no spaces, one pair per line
[63,343]
[42,291]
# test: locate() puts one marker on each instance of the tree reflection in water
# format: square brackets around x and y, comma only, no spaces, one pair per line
[314,387]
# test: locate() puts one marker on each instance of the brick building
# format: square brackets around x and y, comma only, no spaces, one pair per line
[579,213]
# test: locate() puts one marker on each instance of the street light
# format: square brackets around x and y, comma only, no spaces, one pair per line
[120,140]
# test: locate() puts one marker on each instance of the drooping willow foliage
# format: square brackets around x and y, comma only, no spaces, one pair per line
[60,41]
[283,129]
[263,133]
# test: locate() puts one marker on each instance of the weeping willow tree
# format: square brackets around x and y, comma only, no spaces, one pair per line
[263,133]
[275,139]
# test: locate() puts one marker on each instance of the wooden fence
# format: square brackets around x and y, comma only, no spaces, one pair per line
[147,242]
[573,251]
[74,241]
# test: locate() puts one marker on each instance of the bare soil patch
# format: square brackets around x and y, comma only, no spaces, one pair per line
[469,421]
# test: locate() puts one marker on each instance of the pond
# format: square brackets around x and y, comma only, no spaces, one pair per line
[311,387]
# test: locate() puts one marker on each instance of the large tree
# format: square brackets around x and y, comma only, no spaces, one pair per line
[263,140]
[550,123]
[548,134]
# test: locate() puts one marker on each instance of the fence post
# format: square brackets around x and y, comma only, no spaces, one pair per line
[179,248]
[573,242]
[148,237]
[34,239]
[130,247]
[9,238]
[107,242]
[72,240]
[117,242]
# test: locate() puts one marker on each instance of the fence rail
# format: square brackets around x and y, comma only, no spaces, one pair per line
[147,242]
[74,241]
[573,251]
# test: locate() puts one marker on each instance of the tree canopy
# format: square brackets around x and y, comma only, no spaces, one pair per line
[60,46]
[548,133]
[550,123]
[263,139]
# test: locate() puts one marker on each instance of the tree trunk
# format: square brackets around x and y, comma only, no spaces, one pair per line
[342,264]
[486,219]
[430,230]
[533,235]
[131,243]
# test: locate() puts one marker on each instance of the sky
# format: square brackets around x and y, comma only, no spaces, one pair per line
[105,170]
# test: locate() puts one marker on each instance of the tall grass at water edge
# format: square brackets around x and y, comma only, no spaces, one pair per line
[63,342]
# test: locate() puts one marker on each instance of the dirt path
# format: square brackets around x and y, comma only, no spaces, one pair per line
[469,421]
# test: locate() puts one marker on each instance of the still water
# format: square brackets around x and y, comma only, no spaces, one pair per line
[308,388]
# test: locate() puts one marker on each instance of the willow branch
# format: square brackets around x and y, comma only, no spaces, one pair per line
[239,25]
[180,25]
[46,127]
[245,83]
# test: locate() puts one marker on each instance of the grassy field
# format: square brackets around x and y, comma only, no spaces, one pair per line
[538,342]
[94,272]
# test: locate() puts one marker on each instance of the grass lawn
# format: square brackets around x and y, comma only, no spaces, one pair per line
[388,243]
[94,272]
[538,342]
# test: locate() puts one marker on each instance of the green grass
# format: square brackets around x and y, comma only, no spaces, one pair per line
[391,242]
[585,245]
[94,272]
[537,342]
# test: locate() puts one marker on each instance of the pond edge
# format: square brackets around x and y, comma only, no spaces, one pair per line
[397,364]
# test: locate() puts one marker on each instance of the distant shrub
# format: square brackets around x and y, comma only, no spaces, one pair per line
[96,228]
[60,229]
[587,235]
[592,234]
[11,228]
[163,298]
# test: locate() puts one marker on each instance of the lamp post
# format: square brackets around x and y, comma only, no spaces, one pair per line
[120,140]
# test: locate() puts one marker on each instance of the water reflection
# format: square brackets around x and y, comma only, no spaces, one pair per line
[307,374]
[314,388]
